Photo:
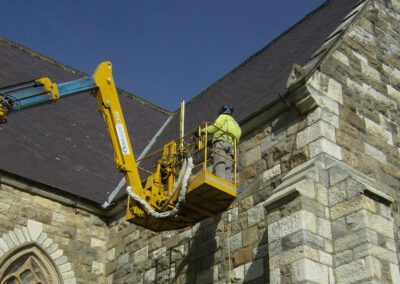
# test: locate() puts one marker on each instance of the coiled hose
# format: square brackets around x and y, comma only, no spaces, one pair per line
[183,179]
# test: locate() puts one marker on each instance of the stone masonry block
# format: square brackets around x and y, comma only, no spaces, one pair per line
[238,274]
[20,235]
[379,224]
[326,86]
[98,268]
[324,101]
[302,238]
[251,156]
[255,214]
[337,174]
[352,272]
[342,58]
[346,207]
[378,131]
[58,253]
[325,258]
[378,252]
[34,228]
[8,241]
[375,153]
[323,145]
[65,267]
[70,280]
[3,245]
[236,242]
[394,273]
[324,115]
[250,235]
[321,195]
[374,267]
[350,241]
[305,270]
[393,93]
[141,255]
[392,72]
[275,248]
[291,256]
[343,257]
[243,256]
[324,228]
[26,234]
[275,276]
[301,220]
[337,195]
[315,131]
[272,140]
[271,173]
[352,118]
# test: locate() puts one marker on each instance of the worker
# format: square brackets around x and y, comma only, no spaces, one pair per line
[225,130]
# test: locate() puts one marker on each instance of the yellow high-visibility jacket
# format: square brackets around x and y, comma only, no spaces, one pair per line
[224,127]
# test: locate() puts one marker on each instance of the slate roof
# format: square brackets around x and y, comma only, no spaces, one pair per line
[66,145]
[261,79]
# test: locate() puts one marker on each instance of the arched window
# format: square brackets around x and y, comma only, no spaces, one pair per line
[28,264]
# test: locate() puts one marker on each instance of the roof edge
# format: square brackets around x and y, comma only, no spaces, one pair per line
[79,73]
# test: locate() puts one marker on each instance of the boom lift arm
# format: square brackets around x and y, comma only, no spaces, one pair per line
[167,199]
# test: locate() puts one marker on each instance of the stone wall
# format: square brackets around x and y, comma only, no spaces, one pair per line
[72,241]
[318,191]
[338,213]
[366,66]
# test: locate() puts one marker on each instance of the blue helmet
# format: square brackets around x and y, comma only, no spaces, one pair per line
[226,110]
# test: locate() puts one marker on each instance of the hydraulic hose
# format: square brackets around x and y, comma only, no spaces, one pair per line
[188,166]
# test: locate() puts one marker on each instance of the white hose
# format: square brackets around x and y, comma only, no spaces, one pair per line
[181,198]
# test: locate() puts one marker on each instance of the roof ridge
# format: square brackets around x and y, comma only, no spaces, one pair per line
[42,57]
[80,73]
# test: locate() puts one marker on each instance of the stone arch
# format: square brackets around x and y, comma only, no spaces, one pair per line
[32,244]
[28,264]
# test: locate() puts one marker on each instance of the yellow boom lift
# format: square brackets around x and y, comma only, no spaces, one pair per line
[179,192]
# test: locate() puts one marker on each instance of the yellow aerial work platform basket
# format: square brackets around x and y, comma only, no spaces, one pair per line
[206,195]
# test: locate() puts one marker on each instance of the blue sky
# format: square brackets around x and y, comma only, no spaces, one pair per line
[163,51]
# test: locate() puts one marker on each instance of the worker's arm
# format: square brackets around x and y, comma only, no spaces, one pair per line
[213,127]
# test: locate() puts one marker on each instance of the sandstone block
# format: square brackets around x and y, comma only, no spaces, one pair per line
[352,272]
[306,270]
[243,256]
[323,145]
[34,228]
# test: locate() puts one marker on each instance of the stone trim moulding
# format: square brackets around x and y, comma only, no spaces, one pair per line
[295,182]
[33,234]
